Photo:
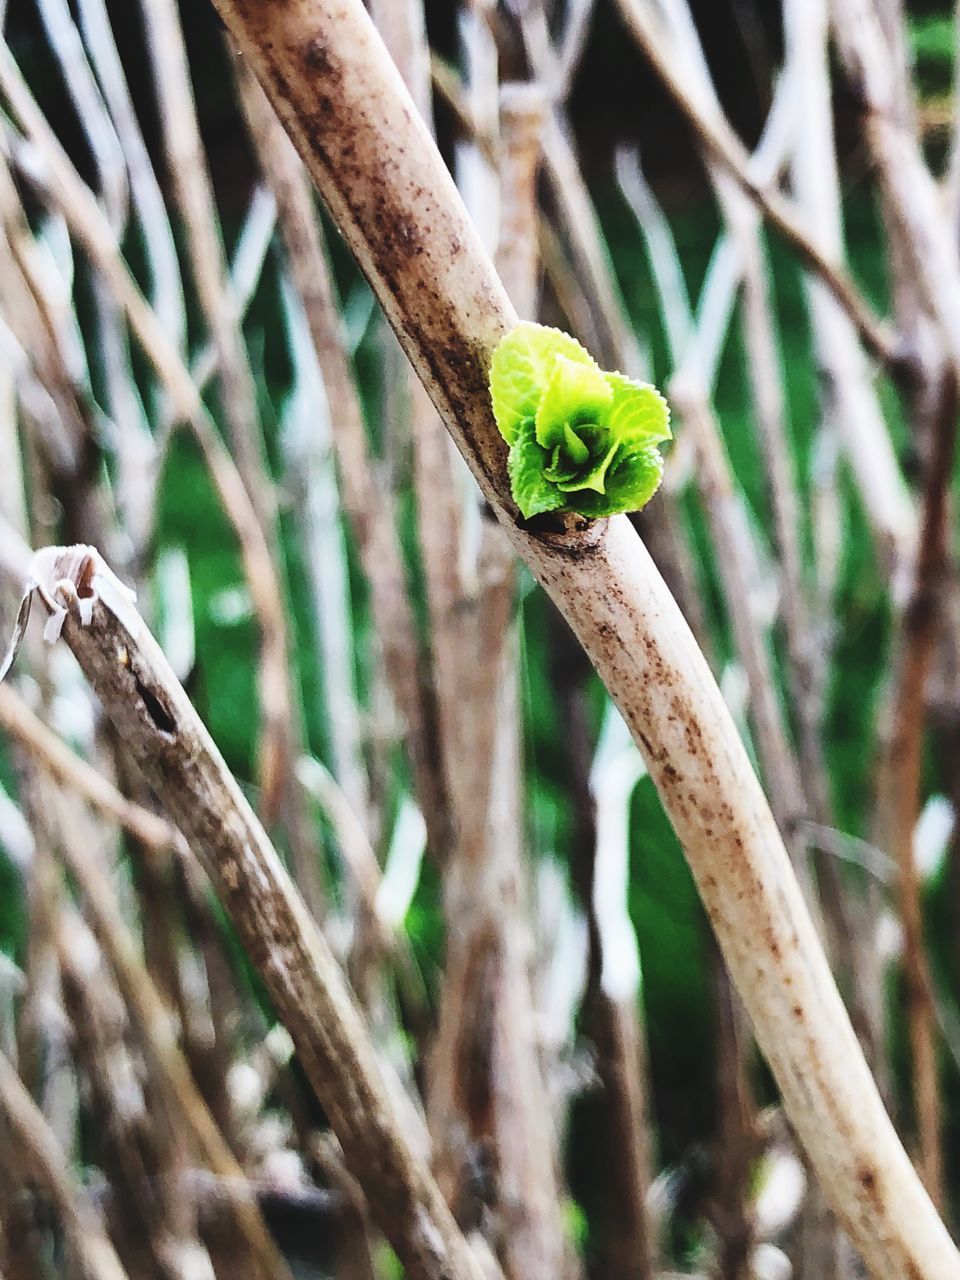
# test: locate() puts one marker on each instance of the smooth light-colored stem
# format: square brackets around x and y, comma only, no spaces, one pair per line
[923,249]
[503,1105]
[908,187]
[312,485]
[613,1000]
[590,252]
[575,210]
[376,165]
[440,505]
[807,784]
[158,245]
[850,410]
[90,109]
[32,317]
[370,513]
[280,731]
[193,191]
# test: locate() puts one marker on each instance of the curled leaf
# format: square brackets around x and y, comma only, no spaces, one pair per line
[576,393]
[533,492]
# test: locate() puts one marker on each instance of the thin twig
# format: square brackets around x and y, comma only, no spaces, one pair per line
[717,137]
[909,189]
[499,1106]
[64,39]
[163,1225]
[281,730]
[153,1021]
[766,383]
[923,241]
[725,507]
[158,244]
[315,500]
[614,997]
[919,634]
[849,397]
[442,522]
[618,343]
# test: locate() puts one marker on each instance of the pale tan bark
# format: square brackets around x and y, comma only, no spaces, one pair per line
[488,1099]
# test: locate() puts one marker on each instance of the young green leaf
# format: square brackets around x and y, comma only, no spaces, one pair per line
[526,466]
[575,393]
[594,477]
[580,439]
[521,369]
[630,484]
[638,413]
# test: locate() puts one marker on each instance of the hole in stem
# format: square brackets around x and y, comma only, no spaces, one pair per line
[157,712]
